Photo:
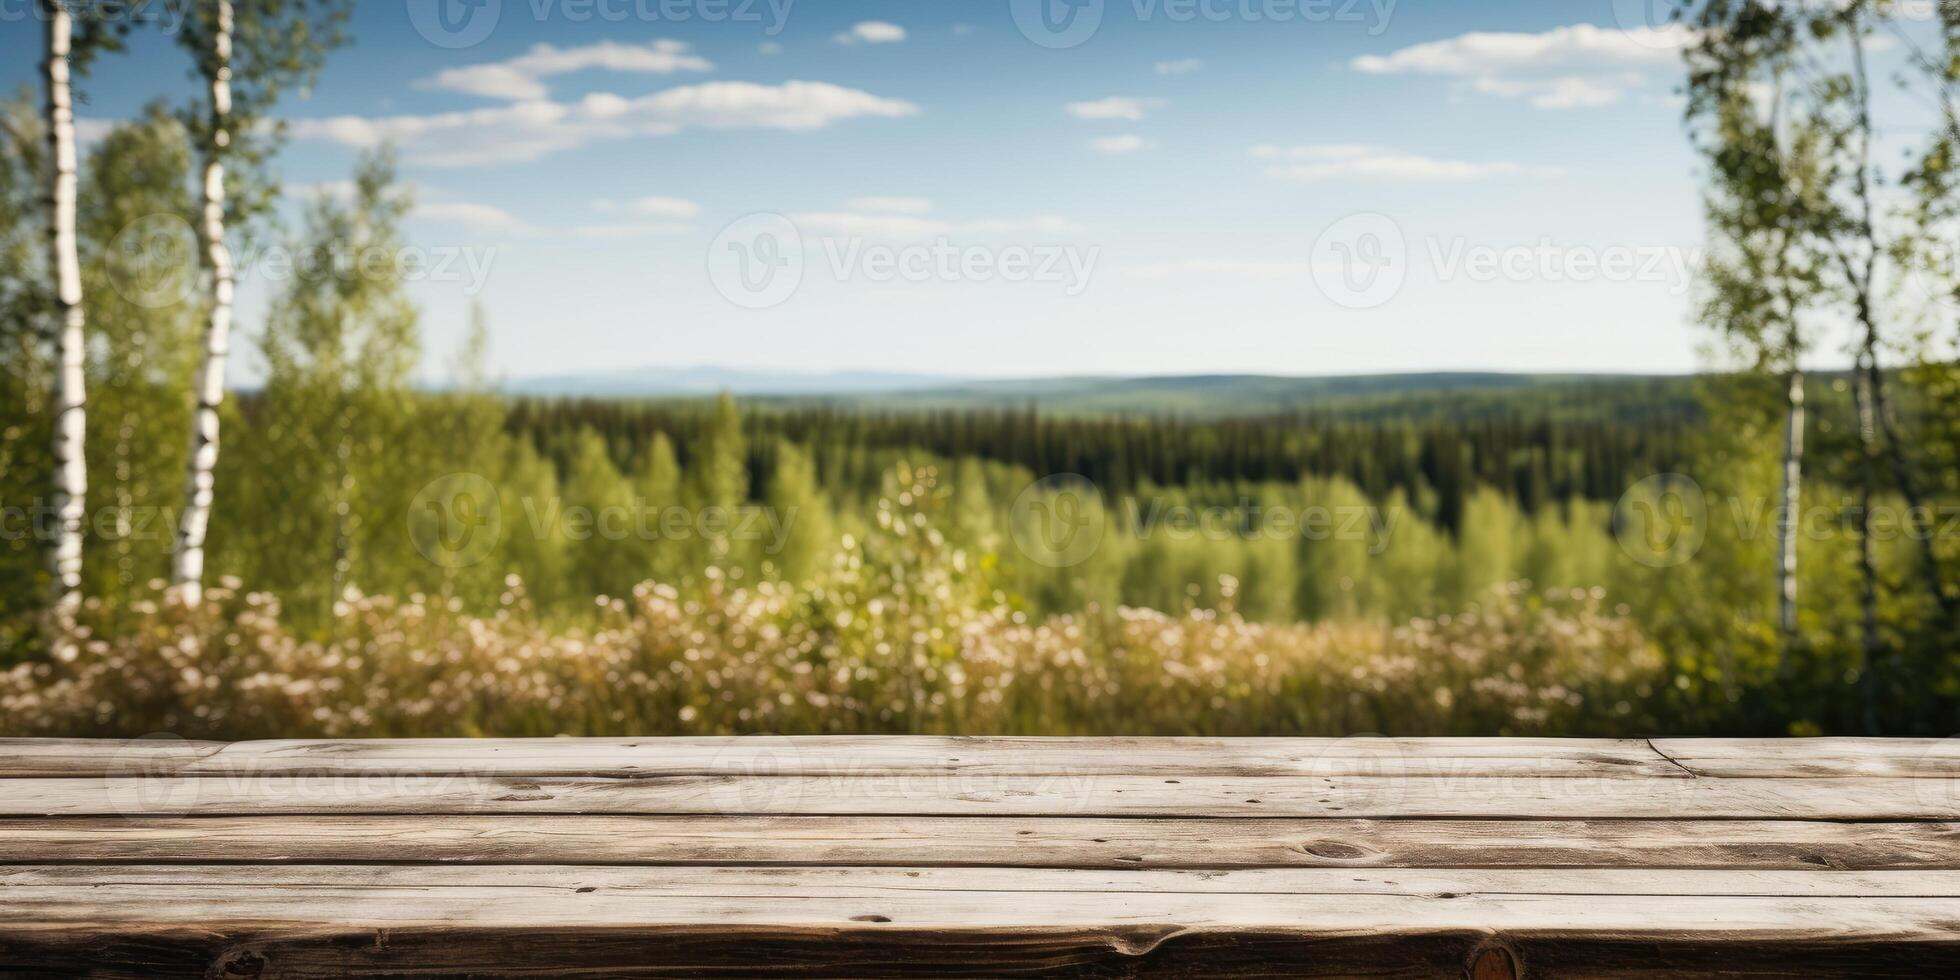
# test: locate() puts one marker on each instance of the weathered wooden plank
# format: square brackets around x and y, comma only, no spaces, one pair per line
[889,950]
[842,755]
[984,841]
[1787,758]
[313,921]
[57,889]
[966,794]
[855,951]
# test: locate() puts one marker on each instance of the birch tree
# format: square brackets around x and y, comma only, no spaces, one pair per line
[245,55]
[1861,242]
[70,498]
[1762,155]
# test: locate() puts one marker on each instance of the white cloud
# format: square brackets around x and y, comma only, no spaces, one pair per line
[487,218]
[1483,53]
[1568,92]
[663,207]
[1578,66]
[1182,66]
[1126,143]
[627,230]
[531,130]
[872,32]
[891,205]
[480,216]
[1282,270]
[521,78]
[902,227]
[1113,107]
[769,47]
[1332,161]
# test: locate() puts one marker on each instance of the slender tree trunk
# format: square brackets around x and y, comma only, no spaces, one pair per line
[70,417]
[343,493]
[1880,423]
[195,524]
[1921,516]
[1867,554]
[1787,519]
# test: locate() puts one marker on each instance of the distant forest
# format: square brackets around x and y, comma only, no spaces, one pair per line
[1528,444]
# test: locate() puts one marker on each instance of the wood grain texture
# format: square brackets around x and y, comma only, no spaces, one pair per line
[1069,916]
[1860,798]
[848,857]
[843,756]
[985,842]
[1802,758]
[886,951]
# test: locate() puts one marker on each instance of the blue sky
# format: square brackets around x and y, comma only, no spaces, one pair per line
[1196,167]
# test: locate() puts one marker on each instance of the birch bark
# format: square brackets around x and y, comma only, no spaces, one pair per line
[187,564]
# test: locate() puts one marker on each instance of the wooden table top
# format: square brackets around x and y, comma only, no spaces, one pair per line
[846,857]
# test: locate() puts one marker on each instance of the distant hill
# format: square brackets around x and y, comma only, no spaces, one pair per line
[703,381]
[1432,395]
[1241,395]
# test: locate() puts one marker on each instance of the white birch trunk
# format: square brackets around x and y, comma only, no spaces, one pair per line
[1786,522]
[188,561]
[70,416]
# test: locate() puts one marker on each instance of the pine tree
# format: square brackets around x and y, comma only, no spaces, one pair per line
[601,522]
[798,512]
[657,484]
[718,478]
